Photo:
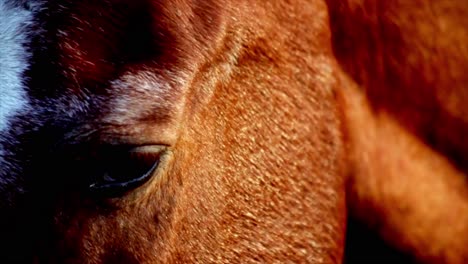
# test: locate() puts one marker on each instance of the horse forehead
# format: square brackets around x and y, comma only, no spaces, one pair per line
[14,57]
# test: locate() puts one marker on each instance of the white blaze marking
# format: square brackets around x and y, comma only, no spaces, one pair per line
[13,61]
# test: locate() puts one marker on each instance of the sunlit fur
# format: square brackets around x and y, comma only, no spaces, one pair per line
[280,118]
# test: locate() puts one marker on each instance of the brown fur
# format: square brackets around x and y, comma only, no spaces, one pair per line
[407,123]
[255,170]
[275,107]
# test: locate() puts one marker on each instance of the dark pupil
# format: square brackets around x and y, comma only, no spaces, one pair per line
[113,171]
[124,167]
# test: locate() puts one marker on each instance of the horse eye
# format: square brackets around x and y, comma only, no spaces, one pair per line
[116,171]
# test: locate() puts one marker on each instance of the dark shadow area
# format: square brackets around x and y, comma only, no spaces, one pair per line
[365,246]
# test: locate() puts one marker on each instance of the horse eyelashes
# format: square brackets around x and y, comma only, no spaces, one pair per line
[112,171]
[123,172]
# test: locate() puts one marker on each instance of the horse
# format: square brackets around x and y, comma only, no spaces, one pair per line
[152,131]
